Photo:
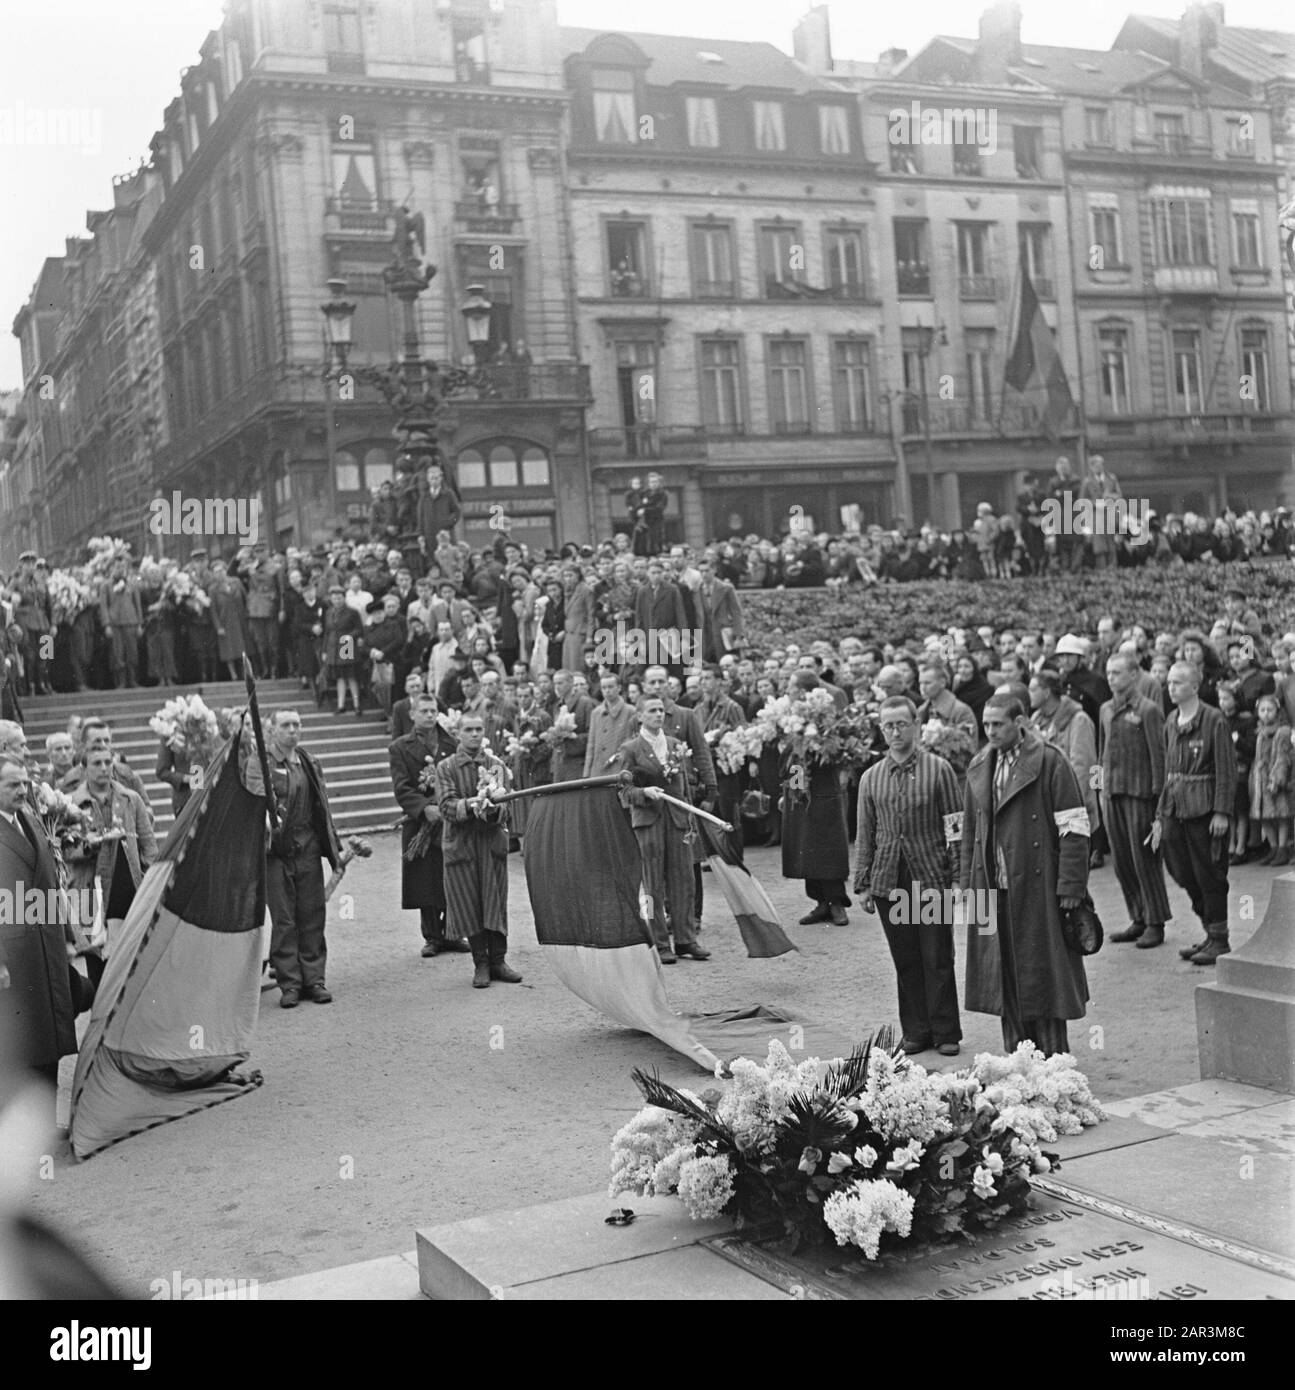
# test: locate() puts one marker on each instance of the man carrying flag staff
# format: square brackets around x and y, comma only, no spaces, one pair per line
[414,759]
[294,875]
[655,764]
[474,847]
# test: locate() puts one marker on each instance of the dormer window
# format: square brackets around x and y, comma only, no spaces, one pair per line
[615,119]
[770,129]
[703,123]
[833,130]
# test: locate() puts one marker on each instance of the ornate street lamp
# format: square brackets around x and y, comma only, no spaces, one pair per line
[476,318]
[338,313]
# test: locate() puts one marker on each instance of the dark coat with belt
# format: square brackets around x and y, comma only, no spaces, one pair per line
[422,880]
[37,1022]
[1041,865]
[815,841]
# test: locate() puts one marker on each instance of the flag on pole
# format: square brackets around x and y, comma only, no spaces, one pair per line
[176,1009]
[1035,368]
[584,880]
[757,919]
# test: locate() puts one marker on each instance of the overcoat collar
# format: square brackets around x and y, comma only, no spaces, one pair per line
[17,841]
[1029,764]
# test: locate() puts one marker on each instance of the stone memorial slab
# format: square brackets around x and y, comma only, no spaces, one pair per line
[1192,1104]
[691,1273]
[492,1256]
[1069,1246]
[1237,1189]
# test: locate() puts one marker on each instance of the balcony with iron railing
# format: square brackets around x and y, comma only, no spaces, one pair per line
[1205,428]
[977,287]
[476,216]
[507,382]
[914,277]
[666,442]
[370,219]
[997,416]
[1186,279]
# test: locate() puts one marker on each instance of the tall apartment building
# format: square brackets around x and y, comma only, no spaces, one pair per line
[1141,195]
[26,521]
[727,286]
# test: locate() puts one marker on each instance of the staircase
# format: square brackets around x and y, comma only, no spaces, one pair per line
[351,751]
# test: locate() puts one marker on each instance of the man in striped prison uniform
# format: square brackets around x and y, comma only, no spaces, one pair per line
[474,849]
[906,803]
[1132,731]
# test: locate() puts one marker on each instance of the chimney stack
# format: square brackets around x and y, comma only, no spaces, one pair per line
[1198,33]
[812,40]
[890,60]
[999,46]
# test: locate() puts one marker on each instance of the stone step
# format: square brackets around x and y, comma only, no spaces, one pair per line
[352,752]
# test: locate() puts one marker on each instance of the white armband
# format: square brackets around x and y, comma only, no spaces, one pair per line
[1072,822]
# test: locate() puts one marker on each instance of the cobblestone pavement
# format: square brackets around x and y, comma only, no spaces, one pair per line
[414,1099]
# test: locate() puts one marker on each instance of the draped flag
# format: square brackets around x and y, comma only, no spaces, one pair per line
[757,919]
[584,880]
[176,1008]
[1035,365]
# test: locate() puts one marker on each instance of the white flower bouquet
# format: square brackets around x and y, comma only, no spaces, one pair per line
[188,717]
[870,1150]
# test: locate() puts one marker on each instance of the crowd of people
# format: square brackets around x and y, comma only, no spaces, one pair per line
[1163,750]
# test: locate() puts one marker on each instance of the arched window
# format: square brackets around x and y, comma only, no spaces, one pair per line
[348,471]
[503,466]
[377,467]
[535,468]
[472,469]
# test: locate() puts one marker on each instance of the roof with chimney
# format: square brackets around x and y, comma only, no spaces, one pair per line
[727,63]
[1254,55]
[1080,72]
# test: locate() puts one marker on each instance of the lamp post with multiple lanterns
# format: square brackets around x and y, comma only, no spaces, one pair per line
[416,388]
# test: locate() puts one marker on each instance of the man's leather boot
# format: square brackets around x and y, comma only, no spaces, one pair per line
[1153,936]
[499,968]
[1216,946]
[481,959]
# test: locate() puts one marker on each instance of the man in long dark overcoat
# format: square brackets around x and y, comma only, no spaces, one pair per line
[422,880]
[37,1014]
[1025,843]
[815,840]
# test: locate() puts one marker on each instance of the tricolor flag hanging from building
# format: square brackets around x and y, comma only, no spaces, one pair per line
[176,1009]
[584,880]
[1034,368]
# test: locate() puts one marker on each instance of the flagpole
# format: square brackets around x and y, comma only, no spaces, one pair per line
[254,709]
[584,782]
[1013,315]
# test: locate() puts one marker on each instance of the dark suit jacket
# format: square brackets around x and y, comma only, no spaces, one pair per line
[636,758]
[37,1020]
[659,608]
[721,610]
[402,721]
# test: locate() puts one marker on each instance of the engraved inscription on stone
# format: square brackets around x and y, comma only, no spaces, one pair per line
[1058,1251]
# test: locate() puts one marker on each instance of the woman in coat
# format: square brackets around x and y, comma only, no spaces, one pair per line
[1022,848]
[815,841]
[305,611]
[229,613]
[344,648]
